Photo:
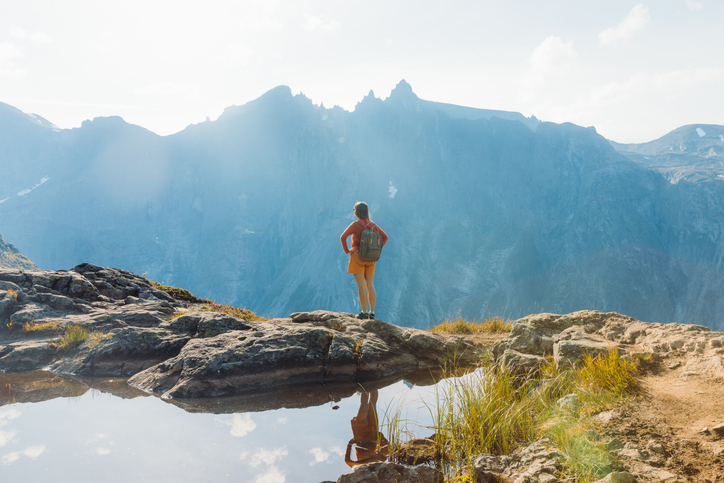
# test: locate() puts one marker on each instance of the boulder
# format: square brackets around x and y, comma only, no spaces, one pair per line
[573,344]
[391,472]
[617,477]
[520,363]
[536,462]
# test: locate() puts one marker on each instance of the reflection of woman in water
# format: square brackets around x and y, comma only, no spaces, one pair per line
[371,445]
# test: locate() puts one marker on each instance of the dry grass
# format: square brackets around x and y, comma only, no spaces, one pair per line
[243,314]
[178,293]
[461,326]
[13,295]
[50,325]
[175,315]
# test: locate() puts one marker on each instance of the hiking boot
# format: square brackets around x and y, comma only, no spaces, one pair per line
[371,316]
[362,315]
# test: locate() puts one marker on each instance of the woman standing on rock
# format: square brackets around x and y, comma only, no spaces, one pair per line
[364,272]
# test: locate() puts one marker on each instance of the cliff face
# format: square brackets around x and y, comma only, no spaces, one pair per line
[484,214]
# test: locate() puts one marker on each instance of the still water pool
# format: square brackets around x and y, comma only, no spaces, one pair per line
[60,429]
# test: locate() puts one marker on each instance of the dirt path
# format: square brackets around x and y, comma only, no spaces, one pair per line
[673,413]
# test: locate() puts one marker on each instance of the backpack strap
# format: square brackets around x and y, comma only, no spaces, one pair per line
[364,227]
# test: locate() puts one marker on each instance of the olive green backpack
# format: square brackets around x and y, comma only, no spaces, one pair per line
[370,244]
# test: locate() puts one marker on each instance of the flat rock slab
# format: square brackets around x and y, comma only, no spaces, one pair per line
[313,348]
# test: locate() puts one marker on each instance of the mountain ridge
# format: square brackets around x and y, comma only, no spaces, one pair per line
[248,209]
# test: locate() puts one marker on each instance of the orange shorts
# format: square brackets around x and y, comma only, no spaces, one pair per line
[356,265]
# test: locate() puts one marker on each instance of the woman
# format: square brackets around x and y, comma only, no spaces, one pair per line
[370,444]
[364,272]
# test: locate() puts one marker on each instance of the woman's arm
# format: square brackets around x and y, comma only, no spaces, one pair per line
[344,236]
[384,235]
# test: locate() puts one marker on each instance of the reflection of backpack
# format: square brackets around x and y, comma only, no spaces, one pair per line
[370,244]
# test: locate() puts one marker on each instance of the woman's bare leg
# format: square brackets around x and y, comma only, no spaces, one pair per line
[362,291]
[369,281]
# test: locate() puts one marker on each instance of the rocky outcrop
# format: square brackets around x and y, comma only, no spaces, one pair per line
[182,349]
[10,257]
[390,472]
[306,348]
[537,462]
[568,338]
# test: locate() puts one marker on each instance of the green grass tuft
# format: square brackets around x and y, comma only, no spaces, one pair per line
[73,336]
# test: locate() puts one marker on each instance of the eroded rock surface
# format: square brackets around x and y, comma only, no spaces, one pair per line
[181,349]
[570,337]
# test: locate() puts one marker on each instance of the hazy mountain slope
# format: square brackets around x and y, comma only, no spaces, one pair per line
[694,152]
[483,214]
[10,257]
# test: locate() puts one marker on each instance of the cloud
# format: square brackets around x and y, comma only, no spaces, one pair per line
[32,452]
[320,456]
[8,54]
[102,451]
[6,437]
[273,475]
[97,438]
[550,52]
[551,64]
[267,456]
[321,23]
[10,458]
[694,5]
[37,37]
[637,18]
[241,425]
[5,416]
[9,413]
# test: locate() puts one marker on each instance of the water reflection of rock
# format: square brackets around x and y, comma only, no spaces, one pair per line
[293,397]
[38,386]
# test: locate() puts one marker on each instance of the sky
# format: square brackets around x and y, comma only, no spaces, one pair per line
[634,70]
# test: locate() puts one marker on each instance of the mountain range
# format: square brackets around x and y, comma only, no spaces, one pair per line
[487,211]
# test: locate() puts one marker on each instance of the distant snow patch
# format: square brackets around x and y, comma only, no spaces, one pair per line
[700,132]
[3,201]
[392,190]
[25,192]
[722,138]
